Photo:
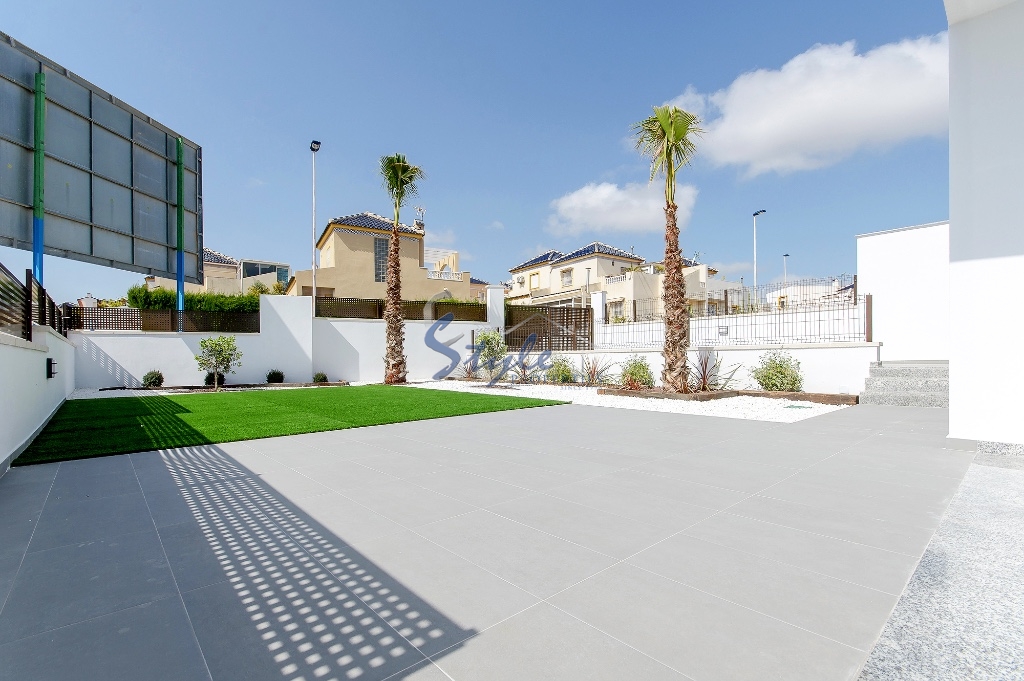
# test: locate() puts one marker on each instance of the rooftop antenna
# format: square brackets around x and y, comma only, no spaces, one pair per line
[420,212]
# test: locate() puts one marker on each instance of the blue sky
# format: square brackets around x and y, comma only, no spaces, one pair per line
[520,115]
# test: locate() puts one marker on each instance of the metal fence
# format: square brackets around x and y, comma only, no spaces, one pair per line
[371,308]
[14,318]
[827,310]
[132,319]
[22,305]
[556,328]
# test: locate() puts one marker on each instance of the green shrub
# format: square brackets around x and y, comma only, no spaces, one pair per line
[152,379]
[778,372]
[209,378]
[492,351]
[258,288]
[561,370]
[139,296]
[320,377]
[636,373]
[275,376]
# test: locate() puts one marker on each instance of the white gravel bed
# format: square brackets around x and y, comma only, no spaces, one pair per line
[753,408]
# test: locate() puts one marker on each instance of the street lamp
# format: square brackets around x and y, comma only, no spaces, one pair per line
[784,278]
[760,212]
[314,147]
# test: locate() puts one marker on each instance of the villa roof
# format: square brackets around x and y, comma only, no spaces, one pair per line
[474,280]
[598,248]
[216,257]
[547,256]
[370,221]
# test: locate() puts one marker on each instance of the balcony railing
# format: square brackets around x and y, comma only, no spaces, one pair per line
[615,279]
[444,275]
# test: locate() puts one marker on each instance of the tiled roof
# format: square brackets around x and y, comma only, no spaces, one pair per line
[474,280]
[595,248]
[372,221]
[547,256]
[210,255]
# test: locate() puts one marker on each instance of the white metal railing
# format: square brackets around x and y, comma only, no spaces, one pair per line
[444,275]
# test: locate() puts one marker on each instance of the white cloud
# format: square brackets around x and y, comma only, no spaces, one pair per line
[728,268]
[255,183]
[608,207]
[496,226]
[439,237]
[826,104]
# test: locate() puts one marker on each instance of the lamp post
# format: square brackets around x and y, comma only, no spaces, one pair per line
[314,147]
[584,301]
[785,279]
[760,212]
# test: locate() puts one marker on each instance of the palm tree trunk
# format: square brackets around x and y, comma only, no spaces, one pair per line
[394,361]
[677,318]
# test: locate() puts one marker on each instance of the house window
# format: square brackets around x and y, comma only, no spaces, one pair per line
[380,259]
[535,280]
[566,278]
[615,311]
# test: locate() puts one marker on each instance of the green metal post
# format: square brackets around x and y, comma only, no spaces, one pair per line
[38,176]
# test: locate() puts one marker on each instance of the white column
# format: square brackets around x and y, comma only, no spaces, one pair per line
[496,307]
[597,302]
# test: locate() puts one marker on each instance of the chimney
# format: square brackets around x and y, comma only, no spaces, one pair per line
[420,225]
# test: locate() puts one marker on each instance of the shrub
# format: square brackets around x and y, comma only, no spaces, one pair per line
[258,288]
[152,379]
[279,289]
[492,351]
[596,370]
[139,296]
[275,376]
[209,378]
[219,354]
[320,377]
[778,371]
[561,370]
[636,373]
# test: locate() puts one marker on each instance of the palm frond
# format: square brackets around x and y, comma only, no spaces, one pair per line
[400,178]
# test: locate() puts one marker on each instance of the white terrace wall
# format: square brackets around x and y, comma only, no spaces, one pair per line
[906,271]
[121,358]
[289,340]
[353,349]
[826,367]
[27,398]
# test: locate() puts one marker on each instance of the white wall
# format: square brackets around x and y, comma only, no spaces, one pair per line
[906,271]
[986,211]
[121,358]
[827,368]
[27,397]
[353,349]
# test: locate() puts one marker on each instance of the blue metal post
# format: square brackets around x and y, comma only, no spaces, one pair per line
[181,233]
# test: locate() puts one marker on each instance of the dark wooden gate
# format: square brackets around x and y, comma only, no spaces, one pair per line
[559,329]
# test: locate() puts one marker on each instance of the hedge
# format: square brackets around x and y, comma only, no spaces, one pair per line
[164,299]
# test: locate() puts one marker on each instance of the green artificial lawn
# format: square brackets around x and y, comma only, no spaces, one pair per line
[98,427]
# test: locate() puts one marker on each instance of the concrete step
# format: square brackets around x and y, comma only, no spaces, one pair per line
[906,370]
[896,384]
[907,399]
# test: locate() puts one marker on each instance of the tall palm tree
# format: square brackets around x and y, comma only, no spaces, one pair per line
[400,179]
[667,138]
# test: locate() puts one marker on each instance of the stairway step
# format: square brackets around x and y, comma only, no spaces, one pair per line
[891,384]
[907,399]
[908,370]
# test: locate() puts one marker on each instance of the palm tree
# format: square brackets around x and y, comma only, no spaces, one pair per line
[667,138]
[400,179]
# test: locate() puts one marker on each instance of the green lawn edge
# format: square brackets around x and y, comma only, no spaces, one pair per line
[84,429]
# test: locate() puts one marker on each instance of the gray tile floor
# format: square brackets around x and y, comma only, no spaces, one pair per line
[566,543]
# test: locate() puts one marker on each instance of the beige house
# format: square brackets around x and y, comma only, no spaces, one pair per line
[632,287]
[353,262]
[224,274]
